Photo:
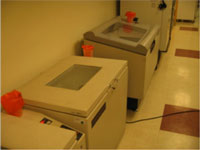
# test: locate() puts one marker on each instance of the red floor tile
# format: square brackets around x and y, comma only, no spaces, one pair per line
[187,53]
[185,123]
[189,28]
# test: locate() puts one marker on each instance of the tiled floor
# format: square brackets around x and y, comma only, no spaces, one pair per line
[189,28]
[187,53]
[186,122]
[175,82]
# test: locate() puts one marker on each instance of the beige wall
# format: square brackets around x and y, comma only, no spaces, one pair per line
[36,35]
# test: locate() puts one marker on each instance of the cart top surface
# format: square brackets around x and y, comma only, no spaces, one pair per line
[73,86]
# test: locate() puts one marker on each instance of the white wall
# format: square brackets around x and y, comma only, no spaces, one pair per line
[37,34]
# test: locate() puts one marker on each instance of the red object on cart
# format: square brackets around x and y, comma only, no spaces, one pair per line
[88,50]
[130,16]
[13,102]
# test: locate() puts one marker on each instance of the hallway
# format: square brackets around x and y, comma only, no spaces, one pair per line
[174,88]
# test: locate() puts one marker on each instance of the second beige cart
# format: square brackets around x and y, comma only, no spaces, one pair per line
[137,43]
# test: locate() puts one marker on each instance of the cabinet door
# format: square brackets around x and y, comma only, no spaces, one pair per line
[108,124]
[186,9]
[151,62]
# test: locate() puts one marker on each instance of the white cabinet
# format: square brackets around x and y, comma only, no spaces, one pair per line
[187,9]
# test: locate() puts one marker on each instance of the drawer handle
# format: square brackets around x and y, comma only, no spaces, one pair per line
[152,46]
[98,115]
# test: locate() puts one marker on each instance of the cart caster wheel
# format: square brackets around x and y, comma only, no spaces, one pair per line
[132,104]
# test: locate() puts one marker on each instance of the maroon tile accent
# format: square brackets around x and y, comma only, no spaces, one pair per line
[185,123]
[189,28]
[187,53]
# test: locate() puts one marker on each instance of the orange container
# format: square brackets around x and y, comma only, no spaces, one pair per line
[88,50]
[130,16]
[12,102]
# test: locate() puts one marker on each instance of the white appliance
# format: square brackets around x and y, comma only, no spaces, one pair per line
[187,9]
[34,130]
[137,43]
[152,12]
[89,94]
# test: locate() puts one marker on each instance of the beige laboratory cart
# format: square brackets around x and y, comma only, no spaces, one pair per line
[89,94]
[136,43]
[35,130]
